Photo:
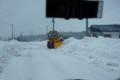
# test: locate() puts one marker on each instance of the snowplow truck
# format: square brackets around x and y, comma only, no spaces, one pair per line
[54,39]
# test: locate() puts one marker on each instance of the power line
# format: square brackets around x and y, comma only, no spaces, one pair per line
[4,22]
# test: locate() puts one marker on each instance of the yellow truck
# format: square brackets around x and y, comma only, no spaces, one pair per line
[54,39]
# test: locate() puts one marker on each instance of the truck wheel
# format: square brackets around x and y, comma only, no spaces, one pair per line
[50,45]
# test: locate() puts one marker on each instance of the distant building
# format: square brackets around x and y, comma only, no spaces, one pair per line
[111,31]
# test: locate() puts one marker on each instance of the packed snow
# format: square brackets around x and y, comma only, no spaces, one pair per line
[88,59]
[100,52]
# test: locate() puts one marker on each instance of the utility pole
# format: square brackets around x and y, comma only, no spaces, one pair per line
[87,33]
[32,32]
[12,31]
[21,34]
[53,23]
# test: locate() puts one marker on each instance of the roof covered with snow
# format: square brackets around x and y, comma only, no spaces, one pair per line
[105,28]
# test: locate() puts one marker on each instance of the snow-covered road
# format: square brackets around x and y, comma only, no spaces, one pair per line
[42,65]
[36,62]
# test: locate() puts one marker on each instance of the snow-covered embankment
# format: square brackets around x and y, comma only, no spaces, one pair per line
[100,52]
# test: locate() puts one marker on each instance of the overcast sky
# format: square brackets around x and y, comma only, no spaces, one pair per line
[29,15]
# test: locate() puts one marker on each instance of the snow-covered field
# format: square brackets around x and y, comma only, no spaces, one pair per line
[88,58]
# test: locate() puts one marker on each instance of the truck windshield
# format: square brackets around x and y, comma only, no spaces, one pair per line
[53,34]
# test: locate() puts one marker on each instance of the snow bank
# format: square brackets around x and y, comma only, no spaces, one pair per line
[12,48]
[100,52]
[7,51]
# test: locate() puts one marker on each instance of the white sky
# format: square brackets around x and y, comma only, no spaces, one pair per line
[29,15]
